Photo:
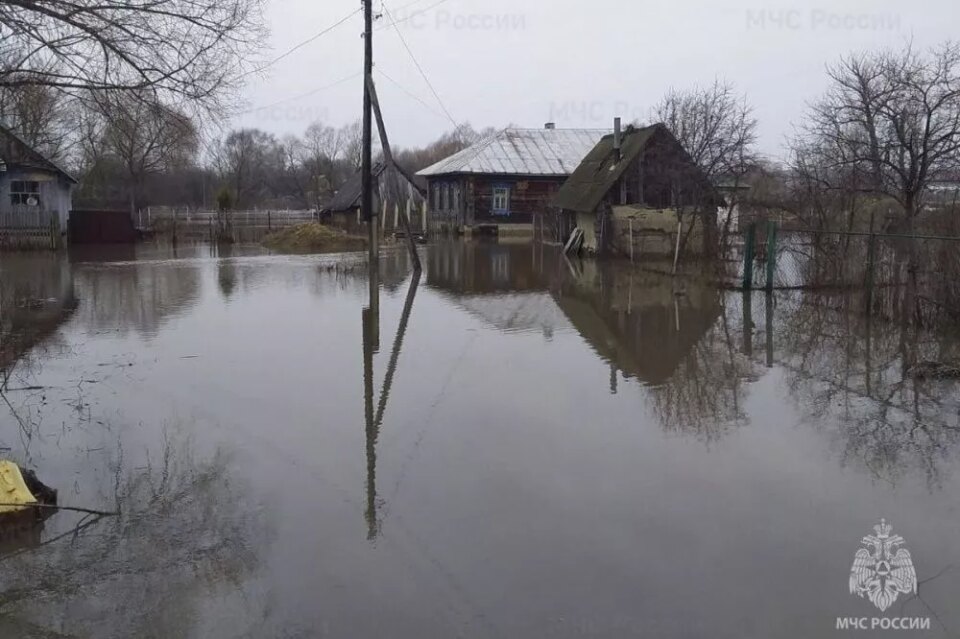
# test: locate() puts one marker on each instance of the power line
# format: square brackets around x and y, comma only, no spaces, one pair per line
[302,95]
[403,19]
[301,45]
[419,68]
[411,94]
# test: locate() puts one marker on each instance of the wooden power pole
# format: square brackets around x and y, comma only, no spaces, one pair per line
[366,201]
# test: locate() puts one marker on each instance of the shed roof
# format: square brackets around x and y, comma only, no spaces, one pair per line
[528,152]
[16,152]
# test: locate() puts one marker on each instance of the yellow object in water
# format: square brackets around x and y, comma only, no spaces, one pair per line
[13,490]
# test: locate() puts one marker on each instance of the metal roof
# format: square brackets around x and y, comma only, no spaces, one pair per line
[548,152]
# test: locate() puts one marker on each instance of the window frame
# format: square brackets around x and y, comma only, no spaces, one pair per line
[500,195]
[22,190]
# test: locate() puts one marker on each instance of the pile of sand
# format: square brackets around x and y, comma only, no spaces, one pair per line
[313,238]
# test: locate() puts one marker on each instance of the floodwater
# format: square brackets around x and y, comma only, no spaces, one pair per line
[514,446]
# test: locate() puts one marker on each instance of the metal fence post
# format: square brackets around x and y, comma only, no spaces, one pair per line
[748,248]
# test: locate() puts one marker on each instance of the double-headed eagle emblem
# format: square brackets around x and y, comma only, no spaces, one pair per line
[883,569]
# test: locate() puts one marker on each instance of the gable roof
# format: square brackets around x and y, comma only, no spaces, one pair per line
[528,152]
[348,196]
[16,152]
[600,171]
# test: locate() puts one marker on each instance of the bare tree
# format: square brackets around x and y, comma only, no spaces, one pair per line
[352,140]
[321,150]
[41,116]
[248,160]
[716,127]
[145,138]
[889,124]
[178,49]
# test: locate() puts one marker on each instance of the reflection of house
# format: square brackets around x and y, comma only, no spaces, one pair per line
[632,188]
[498,283]
[36,298]
[483,267]
[394,189]
[35,193]
[636,322]
[502,181]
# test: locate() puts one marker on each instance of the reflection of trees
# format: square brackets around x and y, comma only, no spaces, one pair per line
[704,397]
[850,376]
[181,540]
[138,297]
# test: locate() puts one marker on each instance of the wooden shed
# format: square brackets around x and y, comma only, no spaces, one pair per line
[395,190]
[632,191]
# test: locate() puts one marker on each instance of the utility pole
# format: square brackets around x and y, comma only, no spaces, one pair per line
[366,202]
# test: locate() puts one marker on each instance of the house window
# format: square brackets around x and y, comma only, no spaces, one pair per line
[25,192]
[436,197]
[501,200]
[446,197]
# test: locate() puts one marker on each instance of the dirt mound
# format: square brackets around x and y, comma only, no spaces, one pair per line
[313,238]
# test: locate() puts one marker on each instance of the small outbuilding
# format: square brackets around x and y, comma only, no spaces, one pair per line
[394,189]
[634,192]
[36,195]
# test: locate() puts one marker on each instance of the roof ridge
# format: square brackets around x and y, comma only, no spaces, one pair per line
[5,130]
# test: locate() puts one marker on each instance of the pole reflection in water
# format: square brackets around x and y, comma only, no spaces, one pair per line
[374,420]
[769,324]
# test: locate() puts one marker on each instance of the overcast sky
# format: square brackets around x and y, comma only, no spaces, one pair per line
[574,62]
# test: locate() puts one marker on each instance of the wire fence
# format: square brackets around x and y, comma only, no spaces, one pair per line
[877,264]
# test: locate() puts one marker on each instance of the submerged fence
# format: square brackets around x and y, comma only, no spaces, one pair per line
[30,227]
[926,266]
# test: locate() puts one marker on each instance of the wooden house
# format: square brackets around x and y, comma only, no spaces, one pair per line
[500,184]
[394,191]
[35,194]
[631,193]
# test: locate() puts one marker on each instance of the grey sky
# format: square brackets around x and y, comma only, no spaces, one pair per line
[496,62]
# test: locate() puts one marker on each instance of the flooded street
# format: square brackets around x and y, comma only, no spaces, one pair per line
[545,449]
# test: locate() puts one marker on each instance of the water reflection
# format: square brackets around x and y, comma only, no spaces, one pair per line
[523,445]
[850,375]
[138,298]
[374,418]
[36,297]
[181,537]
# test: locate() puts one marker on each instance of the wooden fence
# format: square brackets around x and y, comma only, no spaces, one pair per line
[30,228]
